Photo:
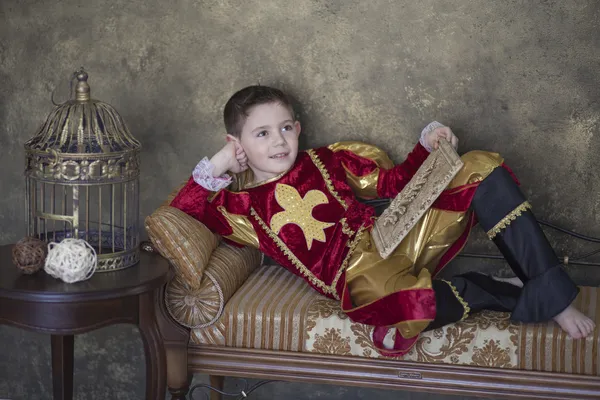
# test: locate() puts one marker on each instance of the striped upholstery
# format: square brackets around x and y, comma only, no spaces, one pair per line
[213,334]
[267,312]
[276,310]
[202,305]
[183,240]
[545,347]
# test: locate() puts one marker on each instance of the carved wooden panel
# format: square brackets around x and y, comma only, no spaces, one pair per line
[416,198]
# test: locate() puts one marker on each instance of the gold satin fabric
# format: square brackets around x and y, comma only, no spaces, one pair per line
[369,277]
[365,150]
[364,186]
[243,230]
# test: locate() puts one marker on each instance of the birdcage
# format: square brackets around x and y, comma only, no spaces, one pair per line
[82,179]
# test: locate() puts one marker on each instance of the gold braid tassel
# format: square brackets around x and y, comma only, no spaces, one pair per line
[506,221]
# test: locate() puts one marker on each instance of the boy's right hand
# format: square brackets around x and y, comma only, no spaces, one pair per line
[241,160]
[230,158]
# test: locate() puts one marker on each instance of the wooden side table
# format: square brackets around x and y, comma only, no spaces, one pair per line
[41,303]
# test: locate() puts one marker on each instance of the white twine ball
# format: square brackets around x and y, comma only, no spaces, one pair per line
[71,260]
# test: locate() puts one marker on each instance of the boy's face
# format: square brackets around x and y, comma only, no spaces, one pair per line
[270,140]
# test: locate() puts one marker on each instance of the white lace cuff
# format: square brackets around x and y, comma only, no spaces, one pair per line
[433,125]
[203,176]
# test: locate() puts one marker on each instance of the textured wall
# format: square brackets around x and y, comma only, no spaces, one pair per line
[517,77]
[520,78]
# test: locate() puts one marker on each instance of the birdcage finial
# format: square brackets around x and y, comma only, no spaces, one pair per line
[82,89]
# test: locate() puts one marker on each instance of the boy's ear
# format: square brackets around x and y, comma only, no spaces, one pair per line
[298,127]
[231,138]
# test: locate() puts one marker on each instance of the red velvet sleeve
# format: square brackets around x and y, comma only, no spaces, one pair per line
[196,201]
[392,181]
[371,174]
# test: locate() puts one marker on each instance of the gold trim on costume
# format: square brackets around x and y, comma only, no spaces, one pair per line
[352,245]
[319,164]
[255,184]
[506,221]
[466,307]
[240,180]
[345,228]
[328,289]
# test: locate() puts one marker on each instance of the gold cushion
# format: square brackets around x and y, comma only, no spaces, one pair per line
[276,310]
[201,306]
[183,240]
[207,273]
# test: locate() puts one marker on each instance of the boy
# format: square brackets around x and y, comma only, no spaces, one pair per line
[300,209]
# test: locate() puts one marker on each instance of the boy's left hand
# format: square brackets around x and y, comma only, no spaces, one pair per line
[444,133]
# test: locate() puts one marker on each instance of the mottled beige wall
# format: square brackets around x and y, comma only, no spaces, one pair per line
[517,77]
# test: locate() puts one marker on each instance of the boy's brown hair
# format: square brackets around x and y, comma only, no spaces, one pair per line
[238,106]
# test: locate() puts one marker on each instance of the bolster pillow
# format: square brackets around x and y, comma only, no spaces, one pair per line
[207,271]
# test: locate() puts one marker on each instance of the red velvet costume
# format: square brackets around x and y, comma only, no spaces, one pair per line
[309,221]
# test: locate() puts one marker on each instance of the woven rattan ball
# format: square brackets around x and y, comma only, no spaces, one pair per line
[29,254]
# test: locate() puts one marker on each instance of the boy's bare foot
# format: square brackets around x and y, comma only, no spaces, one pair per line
[572,321]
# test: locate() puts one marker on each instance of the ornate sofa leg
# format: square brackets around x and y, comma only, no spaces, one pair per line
[216,382]
[175,338]
[178,378]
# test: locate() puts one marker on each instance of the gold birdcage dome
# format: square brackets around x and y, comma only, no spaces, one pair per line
[82,179]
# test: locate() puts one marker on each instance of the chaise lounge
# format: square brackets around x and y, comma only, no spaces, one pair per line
[228,312]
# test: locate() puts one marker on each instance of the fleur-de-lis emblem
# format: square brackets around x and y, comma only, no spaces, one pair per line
[298,211]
